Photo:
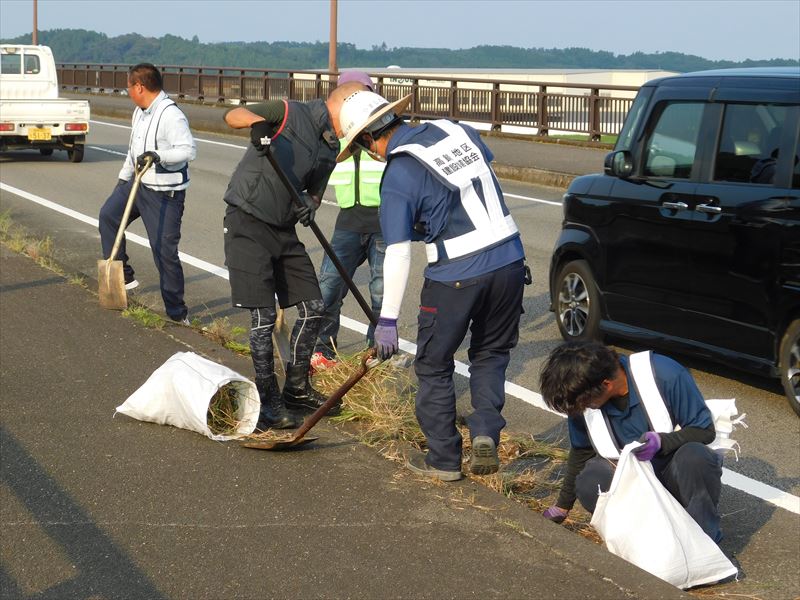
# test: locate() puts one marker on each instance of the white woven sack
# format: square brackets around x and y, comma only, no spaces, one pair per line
[726,419]
[179,392]
[640,521]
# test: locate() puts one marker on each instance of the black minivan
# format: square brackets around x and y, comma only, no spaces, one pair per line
[690,240]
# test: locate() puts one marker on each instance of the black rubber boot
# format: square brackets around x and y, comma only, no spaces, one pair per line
[298,394]
[273,413]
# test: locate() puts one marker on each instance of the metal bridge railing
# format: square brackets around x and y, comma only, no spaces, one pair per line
[544,106]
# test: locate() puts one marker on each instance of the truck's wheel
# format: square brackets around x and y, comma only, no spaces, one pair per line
[790,365]
[46,151]
[76,154]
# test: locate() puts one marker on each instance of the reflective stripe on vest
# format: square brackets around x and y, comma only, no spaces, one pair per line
[158,177]
[600,433]
[370,173]
[461,166]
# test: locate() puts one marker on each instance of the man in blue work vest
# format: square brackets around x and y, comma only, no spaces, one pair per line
[356,237]
[438,187]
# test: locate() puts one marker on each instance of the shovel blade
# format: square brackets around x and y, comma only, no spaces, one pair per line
[111,285]
[281,444]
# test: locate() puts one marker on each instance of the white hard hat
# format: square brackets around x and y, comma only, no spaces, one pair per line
[366,111]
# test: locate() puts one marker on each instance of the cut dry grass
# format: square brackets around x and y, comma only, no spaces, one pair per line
[223,410]
[381,406]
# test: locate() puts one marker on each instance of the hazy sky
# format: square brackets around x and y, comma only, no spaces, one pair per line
[729,29]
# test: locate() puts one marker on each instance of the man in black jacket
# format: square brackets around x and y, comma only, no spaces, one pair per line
[262,251]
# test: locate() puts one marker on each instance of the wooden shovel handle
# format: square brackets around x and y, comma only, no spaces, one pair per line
[314,418]
[129,207]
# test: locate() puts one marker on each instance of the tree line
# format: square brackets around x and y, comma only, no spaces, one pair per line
[83,46]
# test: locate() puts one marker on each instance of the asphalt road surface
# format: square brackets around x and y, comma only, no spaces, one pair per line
[53,197]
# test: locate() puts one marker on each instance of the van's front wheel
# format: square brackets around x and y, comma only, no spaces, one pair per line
[577,303]
[790,365]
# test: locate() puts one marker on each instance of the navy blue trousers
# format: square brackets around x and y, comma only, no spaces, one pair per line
[161,215]
[692,474]
[489,306]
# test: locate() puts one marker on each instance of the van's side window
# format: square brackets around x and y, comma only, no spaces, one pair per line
[671,148]
[625,139]
[749,143]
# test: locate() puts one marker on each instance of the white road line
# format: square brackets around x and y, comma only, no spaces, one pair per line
[214,142]
[539,200]
[740,482]
[107,150]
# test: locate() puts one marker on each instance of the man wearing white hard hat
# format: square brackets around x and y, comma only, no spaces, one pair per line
[439,188]
[356,237]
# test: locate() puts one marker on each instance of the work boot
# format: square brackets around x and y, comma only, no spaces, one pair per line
[273,413]
[484,460]
[298,394]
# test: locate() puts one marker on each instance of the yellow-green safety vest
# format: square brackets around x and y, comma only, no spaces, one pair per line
[369,181]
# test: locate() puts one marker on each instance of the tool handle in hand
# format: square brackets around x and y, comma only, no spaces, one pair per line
[313,419]
[129,207]
[324,242]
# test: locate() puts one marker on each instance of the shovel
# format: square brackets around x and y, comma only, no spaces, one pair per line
[299,440]
[110,278]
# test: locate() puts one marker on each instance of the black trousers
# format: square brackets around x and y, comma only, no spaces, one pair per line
[161,213]
[489,306]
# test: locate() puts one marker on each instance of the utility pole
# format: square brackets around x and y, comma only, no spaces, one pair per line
[332,46]
[35,33]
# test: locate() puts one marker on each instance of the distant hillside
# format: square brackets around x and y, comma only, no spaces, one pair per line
[80,45]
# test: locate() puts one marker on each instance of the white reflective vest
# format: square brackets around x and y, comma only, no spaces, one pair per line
[603,440]
[159,177]
[488,222]
[723,413]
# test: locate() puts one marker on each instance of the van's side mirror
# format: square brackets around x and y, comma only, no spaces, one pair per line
[619,164]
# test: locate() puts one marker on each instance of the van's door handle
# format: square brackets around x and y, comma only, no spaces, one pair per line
[675,205]
[707,208]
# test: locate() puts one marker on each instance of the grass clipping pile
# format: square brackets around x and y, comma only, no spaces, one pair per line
[381,406]
[223,409]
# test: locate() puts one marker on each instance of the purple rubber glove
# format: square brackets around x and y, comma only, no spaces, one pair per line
[386,337]
[652,444]
[555,514]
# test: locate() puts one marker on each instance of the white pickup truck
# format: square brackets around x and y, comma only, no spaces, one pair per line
[31,113]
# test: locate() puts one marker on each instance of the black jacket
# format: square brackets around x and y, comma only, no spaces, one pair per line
[306,150]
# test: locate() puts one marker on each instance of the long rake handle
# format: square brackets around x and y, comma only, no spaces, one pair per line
[314,417]
[128,208]
[324,242]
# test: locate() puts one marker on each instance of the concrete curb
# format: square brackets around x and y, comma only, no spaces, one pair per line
[534,176]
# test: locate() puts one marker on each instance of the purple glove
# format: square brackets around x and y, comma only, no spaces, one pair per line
[386,337]
[555,514]
[652,444]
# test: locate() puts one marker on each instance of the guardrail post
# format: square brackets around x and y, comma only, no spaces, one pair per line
[495,114]
[594,115]
[452,100]
[414,97]
[543,128]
